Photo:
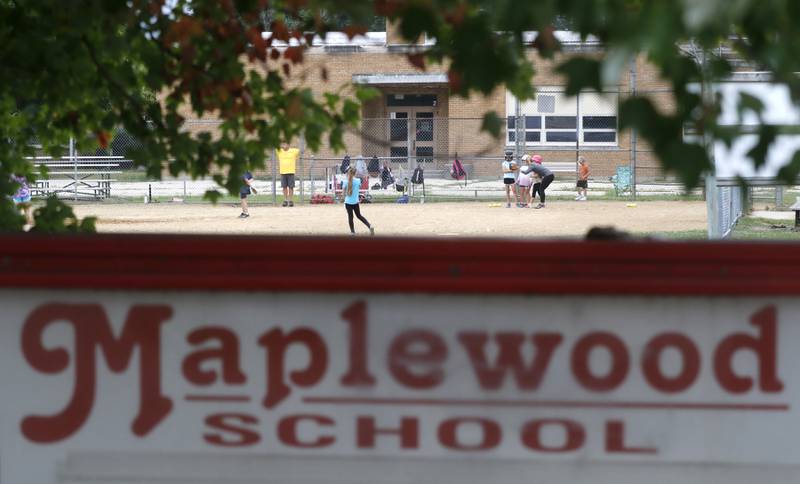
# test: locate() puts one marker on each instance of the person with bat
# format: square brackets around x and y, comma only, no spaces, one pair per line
[246,189]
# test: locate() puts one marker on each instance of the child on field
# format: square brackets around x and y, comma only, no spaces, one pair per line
[246,189]
[524,181]
[583,179]
[509,178]
[350,189]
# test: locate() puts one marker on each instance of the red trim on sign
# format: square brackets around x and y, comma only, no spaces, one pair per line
[628,405]
[324,264]
[217,398]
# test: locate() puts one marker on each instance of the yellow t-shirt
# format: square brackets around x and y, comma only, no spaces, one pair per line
[287,160]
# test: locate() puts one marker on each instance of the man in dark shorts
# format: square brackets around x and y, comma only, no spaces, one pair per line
[287,164]
[246,189]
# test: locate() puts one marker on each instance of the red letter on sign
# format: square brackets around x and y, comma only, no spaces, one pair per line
[408,432]
[287,431]
[358,374]
[431,351]
[652,370]
[509,358]
[765,348]
[225,422]
[620,361]
[448,433]
[89,322]
[276,344]
[573,431]
[227,354]
[615,440]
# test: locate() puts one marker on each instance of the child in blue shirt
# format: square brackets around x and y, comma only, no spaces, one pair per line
[350,189]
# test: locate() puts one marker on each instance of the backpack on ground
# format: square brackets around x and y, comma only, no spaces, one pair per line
[374,167]
[345,164]
[457,170]
[403,199]
[386,177]
[418,176]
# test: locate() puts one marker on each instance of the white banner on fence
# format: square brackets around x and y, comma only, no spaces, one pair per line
[734,162]
[167,385]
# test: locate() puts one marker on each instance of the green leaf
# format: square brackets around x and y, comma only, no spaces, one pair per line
[492,124]
[212,195]
[790,173]
[365,94]
[766,136]
[582,73]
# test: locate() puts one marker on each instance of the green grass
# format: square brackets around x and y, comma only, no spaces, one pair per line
[755,228]
[679,235]
[748,228]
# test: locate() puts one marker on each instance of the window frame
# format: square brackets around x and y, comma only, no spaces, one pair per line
[530,109]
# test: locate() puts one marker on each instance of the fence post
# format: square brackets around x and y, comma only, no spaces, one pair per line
[632,84]
[274,177]
[301,170]
[409,148]
[74,167]
[518,129]
[577,131]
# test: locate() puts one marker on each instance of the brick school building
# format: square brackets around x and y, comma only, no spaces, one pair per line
[416,119]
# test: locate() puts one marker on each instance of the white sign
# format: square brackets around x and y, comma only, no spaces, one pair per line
[124,387]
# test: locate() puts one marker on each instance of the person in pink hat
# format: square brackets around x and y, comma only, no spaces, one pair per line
[546,177]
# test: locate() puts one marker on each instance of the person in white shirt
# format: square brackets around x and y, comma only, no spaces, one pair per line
[509,168]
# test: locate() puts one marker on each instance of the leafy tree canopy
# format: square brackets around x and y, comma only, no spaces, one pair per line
[83,68]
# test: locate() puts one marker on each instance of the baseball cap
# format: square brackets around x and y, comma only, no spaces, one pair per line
[536,159]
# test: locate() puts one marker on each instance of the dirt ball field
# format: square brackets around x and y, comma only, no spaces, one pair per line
[478,219]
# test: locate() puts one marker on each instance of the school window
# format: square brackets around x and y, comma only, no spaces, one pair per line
[554,119]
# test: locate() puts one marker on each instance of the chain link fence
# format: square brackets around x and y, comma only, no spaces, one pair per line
[558,127]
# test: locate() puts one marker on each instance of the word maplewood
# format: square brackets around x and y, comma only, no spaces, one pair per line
[406,382]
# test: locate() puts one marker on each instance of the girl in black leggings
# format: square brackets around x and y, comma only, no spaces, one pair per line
[350,189]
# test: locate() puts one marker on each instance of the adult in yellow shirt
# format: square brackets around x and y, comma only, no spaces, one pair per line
[287,162]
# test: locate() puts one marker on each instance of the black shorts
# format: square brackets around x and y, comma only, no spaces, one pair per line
[582,184]
[509,181]
[244,192]
[287,180]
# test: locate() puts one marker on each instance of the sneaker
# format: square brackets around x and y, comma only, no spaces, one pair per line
[285,204]
[291,204]
[244,215]
[352,233]
[583,198]
[508,205]
[372,231]
[541,205]
[579,197]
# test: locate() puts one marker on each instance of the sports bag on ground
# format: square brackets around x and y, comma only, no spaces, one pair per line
[418,176]
[457,170]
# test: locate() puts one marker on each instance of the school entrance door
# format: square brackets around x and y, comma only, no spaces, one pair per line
[411,127]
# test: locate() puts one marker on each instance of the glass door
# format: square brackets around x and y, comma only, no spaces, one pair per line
[398,136]
[411,133]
